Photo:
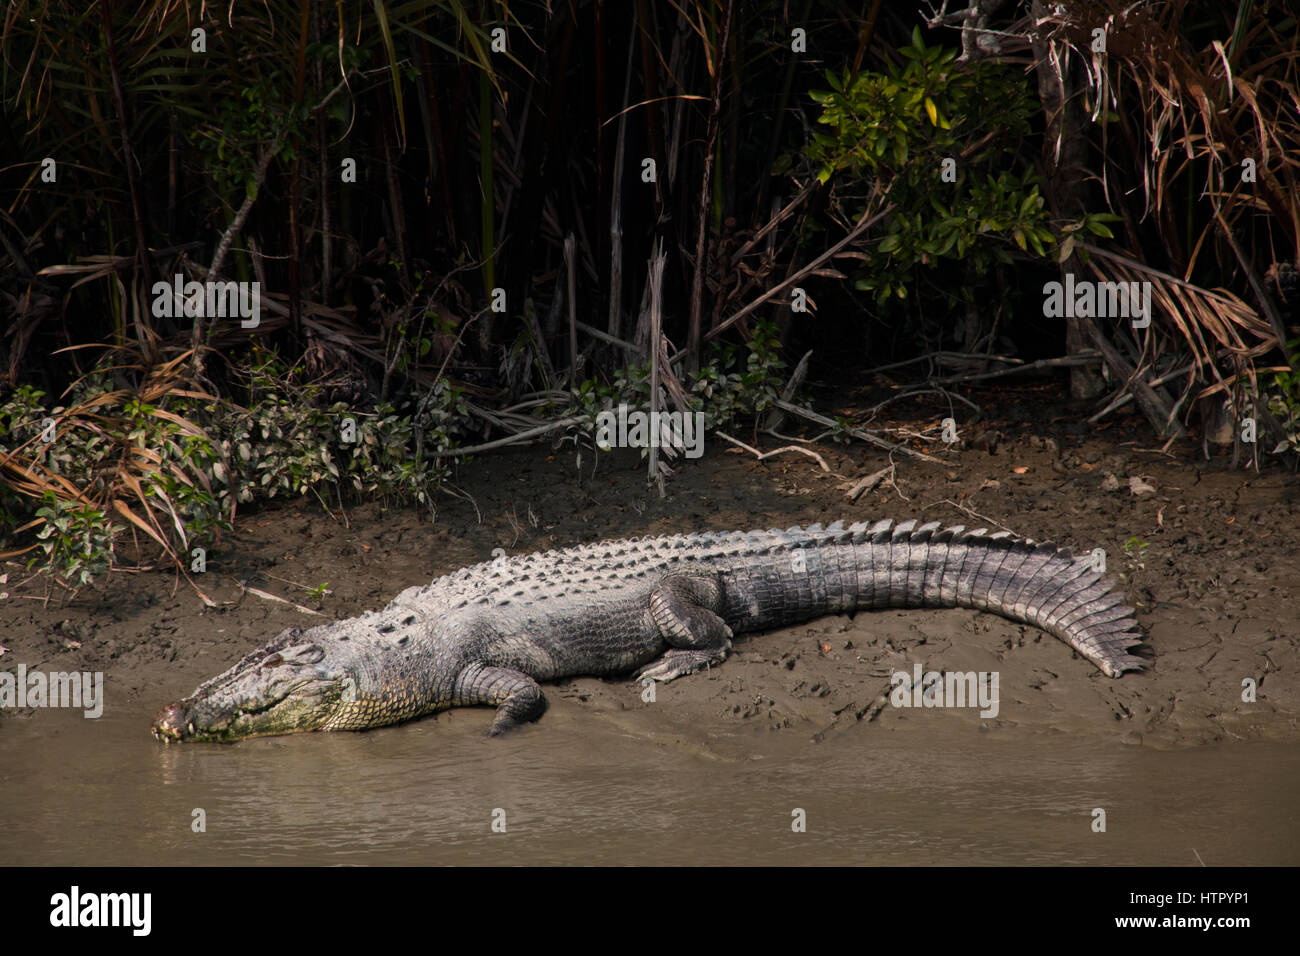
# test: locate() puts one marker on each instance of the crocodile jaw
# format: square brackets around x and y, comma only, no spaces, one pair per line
[282,689]
[307,705]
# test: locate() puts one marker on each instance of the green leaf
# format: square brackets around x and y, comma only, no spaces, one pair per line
[900,150]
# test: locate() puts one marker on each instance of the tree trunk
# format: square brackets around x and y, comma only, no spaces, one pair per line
[1064,159]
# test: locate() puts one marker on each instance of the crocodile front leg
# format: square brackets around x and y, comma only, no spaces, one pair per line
[516,696]
[686,607]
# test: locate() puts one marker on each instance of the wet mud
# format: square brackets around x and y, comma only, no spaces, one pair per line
[1192,761]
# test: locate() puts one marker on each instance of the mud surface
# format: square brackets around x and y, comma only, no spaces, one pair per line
[714,767]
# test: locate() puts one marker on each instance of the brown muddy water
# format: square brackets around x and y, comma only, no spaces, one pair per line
[1194,760]
[579,789]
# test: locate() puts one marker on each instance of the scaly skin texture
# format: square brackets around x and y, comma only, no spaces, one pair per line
[661,607]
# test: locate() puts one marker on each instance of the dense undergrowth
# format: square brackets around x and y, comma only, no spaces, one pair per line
[169,467]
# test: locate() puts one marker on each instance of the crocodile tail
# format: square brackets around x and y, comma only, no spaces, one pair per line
[1018,578]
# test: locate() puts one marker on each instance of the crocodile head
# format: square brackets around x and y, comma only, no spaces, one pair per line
[289,686]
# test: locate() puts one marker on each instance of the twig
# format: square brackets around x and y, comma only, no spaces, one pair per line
[950,356]
[1083,358]
[869,483]
[616,205]
[459,492]
[893,483]
[296,584]
[265,595]
[795,438]
[776,417]
[1265,304]
[706,184]
[772,223]
[863,225]
[259,177]
[925,391]
[855,432]
[533,403]
[512,439]
[760,455]
[973,513]
[656,292]
[573,313]
[1126,396]
[606,337]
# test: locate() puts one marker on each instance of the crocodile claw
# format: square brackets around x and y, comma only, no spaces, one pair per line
[678,663]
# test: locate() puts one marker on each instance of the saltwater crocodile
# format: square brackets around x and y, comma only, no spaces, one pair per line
[659,606]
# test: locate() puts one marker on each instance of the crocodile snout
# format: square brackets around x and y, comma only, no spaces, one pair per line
[172,723]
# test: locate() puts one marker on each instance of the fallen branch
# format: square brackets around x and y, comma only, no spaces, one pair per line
[942,356]
[776,418]
[1126,396]
[760,455]
[869,483]
[1068,361]
[606,337]
[511,439]
[855,432]
[267,596]
[912,393]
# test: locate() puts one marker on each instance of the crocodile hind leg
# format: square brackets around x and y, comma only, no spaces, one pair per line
[516,696]
[685,608]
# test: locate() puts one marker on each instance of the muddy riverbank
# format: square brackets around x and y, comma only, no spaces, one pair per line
[718,762]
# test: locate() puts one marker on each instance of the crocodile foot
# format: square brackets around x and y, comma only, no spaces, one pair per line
[678,663]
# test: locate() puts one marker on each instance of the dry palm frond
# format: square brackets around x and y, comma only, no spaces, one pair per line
[1211,127]
[1216,324]
[1201,110]
[1193,310]
[125,483]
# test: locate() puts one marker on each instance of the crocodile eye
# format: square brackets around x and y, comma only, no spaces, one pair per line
[275,660]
